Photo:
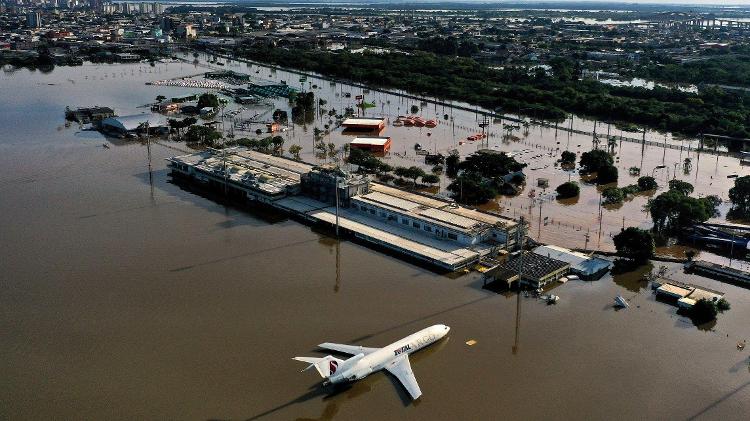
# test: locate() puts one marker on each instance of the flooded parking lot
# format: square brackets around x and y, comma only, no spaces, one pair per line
[125,296]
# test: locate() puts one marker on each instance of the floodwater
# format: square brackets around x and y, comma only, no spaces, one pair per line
[125,296]
[570,222]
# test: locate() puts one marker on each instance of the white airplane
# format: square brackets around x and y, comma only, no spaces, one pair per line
[394,358]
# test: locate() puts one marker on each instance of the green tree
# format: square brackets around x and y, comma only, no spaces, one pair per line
[673,211]
[295,151]
[412,173]
[278,142]
[739,195]
[451,165]
[606,174]
[208,100]
[202,134]
[567,190]
[703,311]
[568,158]
[430,179]
[592,161]
[612,195]
[490,164]
[635,243]
[647,183]
[679,186]
[471,189]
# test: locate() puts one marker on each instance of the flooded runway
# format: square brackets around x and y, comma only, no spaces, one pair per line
[125,296]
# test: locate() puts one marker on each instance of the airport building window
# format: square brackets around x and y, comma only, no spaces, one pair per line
[404,221]
[428,228]
[415,224]
[452,236]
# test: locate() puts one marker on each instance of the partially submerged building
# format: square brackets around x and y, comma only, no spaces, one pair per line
[425,228]
[251,175]
[377,145]
[139,123]
[89,114]
[685,295]
[587,267]
[535,271]
[364,124]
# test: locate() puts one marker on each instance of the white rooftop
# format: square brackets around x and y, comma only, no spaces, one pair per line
[363,121]
[375,140]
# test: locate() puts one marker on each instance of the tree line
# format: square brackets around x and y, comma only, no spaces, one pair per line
[517,89]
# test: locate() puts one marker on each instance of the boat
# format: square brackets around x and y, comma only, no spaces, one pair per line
[573,277]
[408,122]
[563,280]
[430,123]
[417,147]
[398,123]
[105,146]
[552,299]
[621,302]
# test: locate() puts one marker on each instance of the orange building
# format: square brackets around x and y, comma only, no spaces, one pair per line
[364,124]
[379,145]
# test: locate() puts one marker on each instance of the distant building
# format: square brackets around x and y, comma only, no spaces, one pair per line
[186,32]
[33,20]
[133,124]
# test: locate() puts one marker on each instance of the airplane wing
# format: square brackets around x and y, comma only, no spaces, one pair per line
[347,349]
[401,368]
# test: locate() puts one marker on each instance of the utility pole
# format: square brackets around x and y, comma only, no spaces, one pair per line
[539,233]
[336,192]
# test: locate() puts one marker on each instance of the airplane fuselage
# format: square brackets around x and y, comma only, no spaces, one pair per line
[362,365]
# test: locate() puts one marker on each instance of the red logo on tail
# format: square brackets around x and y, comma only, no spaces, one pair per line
[332,366]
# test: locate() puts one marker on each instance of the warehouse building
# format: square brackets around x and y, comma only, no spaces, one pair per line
[375,125]
[437,218]
[377,145]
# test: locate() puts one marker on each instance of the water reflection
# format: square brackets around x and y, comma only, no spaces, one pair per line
[634,281]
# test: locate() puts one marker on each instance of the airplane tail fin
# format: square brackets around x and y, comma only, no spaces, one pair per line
[326,366]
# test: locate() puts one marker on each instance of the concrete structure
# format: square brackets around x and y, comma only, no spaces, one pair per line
[685,295]
[585,266]
[252,175]
[536,271]
[364,124]
[436,221]
[719,272]
[447,236]
[378,145]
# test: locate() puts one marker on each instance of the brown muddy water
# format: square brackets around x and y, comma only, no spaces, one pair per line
[124,296]
[568,222]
